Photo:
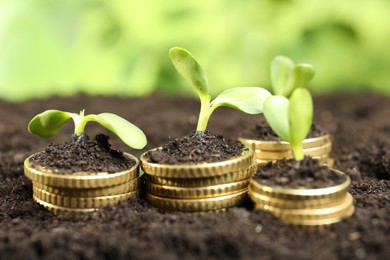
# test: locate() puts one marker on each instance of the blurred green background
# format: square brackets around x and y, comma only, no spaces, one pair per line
[121,46]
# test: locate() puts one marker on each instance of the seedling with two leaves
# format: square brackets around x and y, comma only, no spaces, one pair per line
[290,111]
[49,123]
[247,99]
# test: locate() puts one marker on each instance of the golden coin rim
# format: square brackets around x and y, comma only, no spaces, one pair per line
[196,192]
[282,145]
[201,170]
[261,199]
[80,181]
[62,210]
[303,193]
[319,151]
[318,222]
[196,205]
[82,202]
[125,187]
[320,211]
[201,182]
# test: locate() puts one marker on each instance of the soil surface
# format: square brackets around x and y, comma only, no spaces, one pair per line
[82,154]
[196,147]
[262,131]
[359,126]
[307,173]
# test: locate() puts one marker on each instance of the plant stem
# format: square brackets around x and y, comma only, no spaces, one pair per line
[204,114]
[298,151]
[79,123]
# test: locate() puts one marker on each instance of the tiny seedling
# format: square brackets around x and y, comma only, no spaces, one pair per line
[247,99]
[48,123]
[291,119]
[287,76]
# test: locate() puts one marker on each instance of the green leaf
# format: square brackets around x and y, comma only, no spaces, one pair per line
[48,123]
[190,69]
[281,69]
[300,77]
[276,111]
[247,99]
[130,134]
[300,114]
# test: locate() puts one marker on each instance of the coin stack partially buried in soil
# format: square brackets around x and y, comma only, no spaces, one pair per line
[266,151]
[201,186]
[300,206]
[82,192]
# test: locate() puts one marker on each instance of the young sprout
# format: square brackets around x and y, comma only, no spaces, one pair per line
[247,99]
[48,124]
[287,76]
[291,119]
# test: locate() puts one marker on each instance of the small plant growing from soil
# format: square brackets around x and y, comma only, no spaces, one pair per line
[49,123]
[290,111]
[247,99]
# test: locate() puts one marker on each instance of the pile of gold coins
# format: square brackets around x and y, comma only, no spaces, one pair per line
[266,151]
[305,207]
[82,192]
[199,187]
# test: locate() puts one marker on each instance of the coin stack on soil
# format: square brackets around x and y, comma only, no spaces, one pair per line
[199,187]
[82,192]
[310,208]
[266,151]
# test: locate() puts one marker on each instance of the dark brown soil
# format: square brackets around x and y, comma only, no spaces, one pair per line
[307,173]
[82,155]
[359,125]
[196,147]
[262,131]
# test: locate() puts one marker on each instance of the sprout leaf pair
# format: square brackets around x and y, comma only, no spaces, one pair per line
[290,111]
[48,124]
[247,99]
[287,76]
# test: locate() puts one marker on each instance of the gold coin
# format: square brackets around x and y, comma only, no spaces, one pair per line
[81,202]
[193,205]
[325,221]
[278,155]
[201,170]
[62,210]
[95,192]
[324,159]
[282,145]
[301,194]
[320,212]
[80,180]
[265,201]
[202,182]
[196,192]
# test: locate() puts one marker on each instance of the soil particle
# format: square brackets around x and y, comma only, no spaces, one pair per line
[196,147]
[262,131]
[289,173]
[82,155]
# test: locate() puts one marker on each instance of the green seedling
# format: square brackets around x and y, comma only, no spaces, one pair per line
[287,76]
[291,119]
[48,123]
[247,99]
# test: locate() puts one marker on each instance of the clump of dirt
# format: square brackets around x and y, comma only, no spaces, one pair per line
[82,155]
[196,147]
[262,131]
[289,173]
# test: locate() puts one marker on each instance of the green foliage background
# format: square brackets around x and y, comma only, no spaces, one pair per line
[121,46]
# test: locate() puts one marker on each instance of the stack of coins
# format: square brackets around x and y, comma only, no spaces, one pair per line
[199,187]
[266,151]
[82,192]
[304,207]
